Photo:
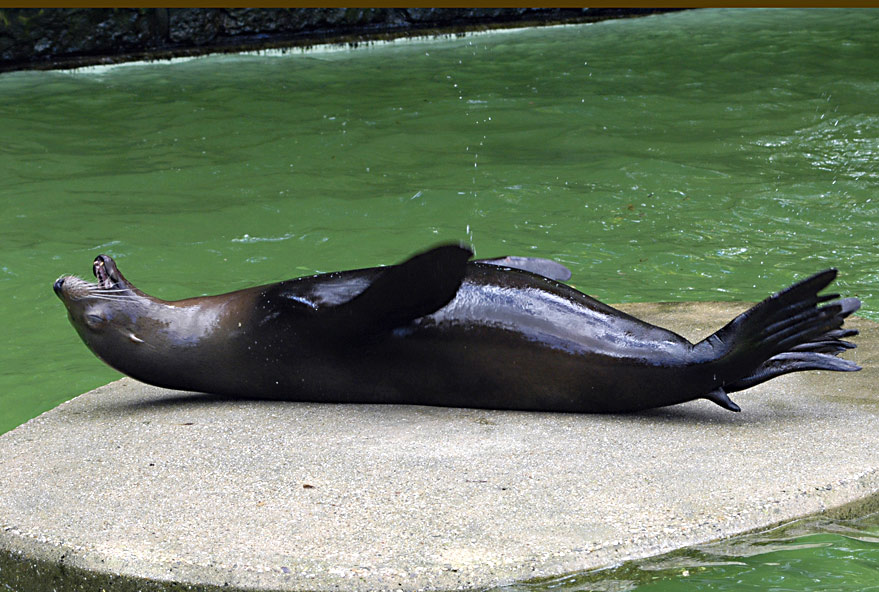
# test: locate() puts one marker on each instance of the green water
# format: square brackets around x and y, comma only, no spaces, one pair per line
[704,155]
[812,554]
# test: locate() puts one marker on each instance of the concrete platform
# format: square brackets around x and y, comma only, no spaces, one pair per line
[136,488]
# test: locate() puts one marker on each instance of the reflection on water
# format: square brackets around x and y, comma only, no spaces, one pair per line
[702,155]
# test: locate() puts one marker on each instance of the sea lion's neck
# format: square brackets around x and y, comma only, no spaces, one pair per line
[172,344]
[182,325]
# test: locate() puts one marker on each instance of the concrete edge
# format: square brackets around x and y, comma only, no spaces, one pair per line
[37,566]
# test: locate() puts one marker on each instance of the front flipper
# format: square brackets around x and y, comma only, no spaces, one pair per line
[402,293]
[545,267]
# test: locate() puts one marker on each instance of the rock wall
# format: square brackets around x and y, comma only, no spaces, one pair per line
[45,38]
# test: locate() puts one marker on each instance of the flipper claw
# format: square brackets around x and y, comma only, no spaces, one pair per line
[720,397]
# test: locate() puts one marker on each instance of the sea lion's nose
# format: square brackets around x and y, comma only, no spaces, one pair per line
[59,283]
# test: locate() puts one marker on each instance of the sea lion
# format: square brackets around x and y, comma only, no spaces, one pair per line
[439,329]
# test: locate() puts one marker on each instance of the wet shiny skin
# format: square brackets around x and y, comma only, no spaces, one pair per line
[433,330]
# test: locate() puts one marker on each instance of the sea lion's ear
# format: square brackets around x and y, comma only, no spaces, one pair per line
[402,293]
[545,267]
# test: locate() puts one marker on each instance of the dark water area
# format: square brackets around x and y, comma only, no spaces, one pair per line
[702,155]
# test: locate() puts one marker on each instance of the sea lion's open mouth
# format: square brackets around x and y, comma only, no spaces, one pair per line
[101,272]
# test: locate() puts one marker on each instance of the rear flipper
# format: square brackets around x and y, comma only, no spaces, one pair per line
[787,332]
[791,362]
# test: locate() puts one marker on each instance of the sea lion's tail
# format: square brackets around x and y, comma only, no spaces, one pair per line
[787,332]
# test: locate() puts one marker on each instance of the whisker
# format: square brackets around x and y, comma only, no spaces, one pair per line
[111,297]
[114,294]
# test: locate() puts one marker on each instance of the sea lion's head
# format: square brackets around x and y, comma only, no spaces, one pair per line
[152,340]
[106,314]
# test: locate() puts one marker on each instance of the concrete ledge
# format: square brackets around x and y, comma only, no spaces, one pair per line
[142,488]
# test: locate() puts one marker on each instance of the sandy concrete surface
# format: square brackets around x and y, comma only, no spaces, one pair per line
[144,487]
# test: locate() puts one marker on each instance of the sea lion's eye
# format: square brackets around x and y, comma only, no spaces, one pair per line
[94,321]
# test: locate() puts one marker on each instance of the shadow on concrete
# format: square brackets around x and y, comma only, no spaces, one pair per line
[698,412]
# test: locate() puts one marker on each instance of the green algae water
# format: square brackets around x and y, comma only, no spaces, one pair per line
[702,155]
[808,555]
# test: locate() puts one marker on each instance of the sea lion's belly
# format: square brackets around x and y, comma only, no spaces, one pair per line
[492,347]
